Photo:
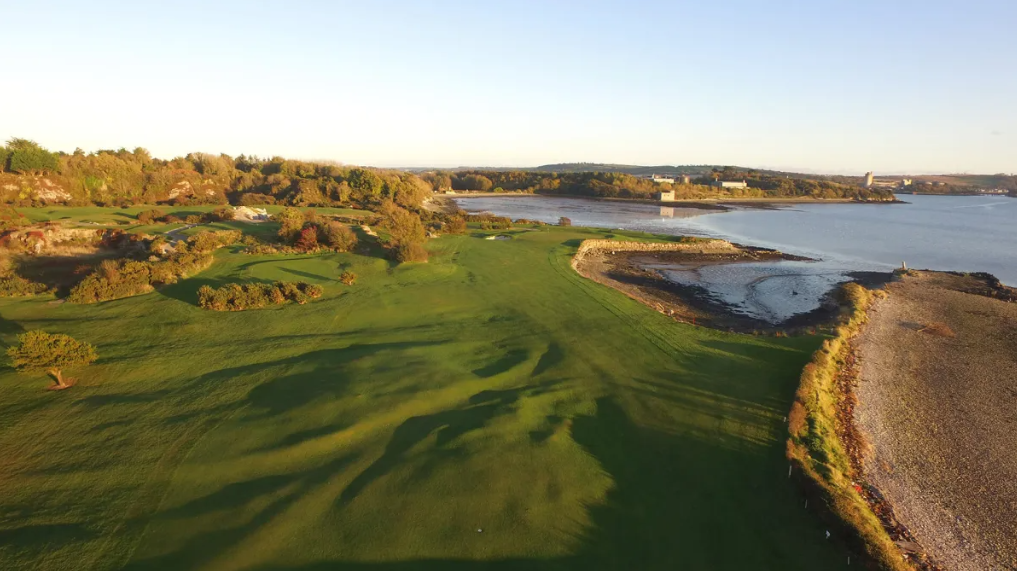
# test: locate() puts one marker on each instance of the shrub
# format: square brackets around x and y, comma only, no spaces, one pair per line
[410,252]
[455,225]
[151,216]
[338,236]
[209,241]
[113,280]
[239,297]
[192,219]
[222,214]
[564,221]
[308,238]
[16,286]
[348,278]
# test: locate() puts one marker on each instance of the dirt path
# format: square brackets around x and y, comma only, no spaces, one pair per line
[938,414]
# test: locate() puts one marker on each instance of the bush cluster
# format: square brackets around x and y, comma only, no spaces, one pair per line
[15,286]
[238,297]
[115,279]
[489,221]
[308,232]
[348,278]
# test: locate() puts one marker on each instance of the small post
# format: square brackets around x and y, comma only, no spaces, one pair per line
[904,266]
[789,471]
[806,504]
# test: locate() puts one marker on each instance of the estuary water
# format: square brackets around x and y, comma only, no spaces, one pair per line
[958,233]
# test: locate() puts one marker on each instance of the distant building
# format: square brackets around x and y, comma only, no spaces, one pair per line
[662,179]
[686,179]
[665,196]
[906,182]
[730,184]
[868,179]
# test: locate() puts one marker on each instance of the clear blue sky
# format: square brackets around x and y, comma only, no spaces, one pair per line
[832,86]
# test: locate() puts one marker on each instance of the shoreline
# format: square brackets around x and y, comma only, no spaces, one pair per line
[713,203]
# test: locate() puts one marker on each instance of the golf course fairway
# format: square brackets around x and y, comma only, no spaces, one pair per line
[489,409]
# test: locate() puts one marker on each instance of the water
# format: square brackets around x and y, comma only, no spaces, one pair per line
[958,233]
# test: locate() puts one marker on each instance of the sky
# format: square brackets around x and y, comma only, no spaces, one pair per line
[893,86]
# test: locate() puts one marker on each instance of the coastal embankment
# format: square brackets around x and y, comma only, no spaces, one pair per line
[937,382]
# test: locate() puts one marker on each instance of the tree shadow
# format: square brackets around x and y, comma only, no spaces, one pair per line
[510,360]
[307,275]
[446,425]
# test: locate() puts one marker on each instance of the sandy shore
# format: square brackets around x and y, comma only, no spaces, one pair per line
[938,415]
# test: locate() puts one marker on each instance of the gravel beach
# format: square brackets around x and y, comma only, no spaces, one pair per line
[938,416]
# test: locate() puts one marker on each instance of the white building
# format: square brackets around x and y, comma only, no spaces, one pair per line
[662,179]
[730,184]
[665,196]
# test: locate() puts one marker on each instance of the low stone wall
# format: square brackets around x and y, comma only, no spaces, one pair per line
[698,247]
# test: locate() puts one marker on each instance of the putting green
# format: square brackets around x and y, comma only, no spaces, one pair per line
[488,409]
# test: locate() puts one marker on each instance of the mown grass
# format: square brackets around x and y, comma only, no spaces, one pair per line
[815,445]
[487,409]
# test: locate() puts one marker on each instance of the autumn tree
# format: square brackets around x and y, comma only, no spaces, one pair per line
[406,233]
[338,236]
[308,238]
[477,182]
[50,352]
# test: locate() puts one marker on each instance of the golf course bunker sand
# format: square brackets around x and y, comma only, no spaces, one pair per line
[720,284]
[936,393]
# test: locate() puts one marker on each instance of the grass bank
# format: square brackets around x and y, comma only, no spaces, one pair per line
[815,445]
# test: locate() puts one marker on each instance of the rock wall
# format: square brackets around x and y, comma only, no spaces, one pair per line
[589,247]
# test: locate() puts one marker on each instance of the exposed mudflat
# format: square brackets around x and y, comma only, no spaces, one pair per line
[939,416]
[747,289]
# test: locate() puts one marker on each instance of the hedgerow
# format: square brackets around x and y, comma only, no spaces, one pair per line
[240,297]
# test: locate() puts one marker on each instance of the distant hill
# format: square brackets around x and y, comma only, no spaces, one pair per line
[637,170]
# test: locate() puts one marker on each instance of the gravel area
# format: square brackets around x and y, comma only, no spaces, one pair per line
[938,415]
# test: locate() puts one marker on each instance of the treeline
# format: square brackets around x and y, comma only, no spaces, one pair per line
[123,178]
[620,185]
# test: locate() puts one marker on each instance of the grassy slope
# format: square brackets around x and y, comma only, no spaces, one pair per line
[382,426]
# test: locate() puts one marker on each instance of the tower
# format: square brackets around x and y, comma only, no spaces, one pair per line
[868,179]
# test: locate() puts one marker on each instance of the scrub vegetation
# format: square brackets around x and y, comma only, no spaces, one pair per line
[488,409]
[816,446]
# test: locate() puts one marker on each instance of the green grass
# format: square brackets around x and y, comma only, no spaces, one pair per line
[380,427]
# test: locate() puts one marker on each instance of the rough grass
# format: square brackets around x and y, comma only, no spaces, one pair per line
[381,427]
[815,446]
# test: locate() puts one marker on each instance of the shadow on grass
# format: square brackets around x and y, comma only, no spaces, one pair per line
[676,502]
[308,275]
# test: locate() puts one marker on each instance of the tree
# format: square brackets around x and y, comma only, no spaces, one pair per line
[338,236]
[27,157]
[50,352]
[406,233]
[564,221]
[291,221]
[477,182]
[4,155]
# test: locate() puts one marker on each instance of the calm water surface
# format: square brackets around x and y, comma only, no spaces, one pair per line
[960,233]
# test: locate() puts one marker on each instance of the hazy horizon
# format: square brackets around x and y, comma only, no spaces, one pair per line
[895,89]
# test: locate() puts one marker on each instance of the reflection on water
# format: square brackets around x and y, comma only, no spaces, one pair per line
[772,291]
[960,233]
